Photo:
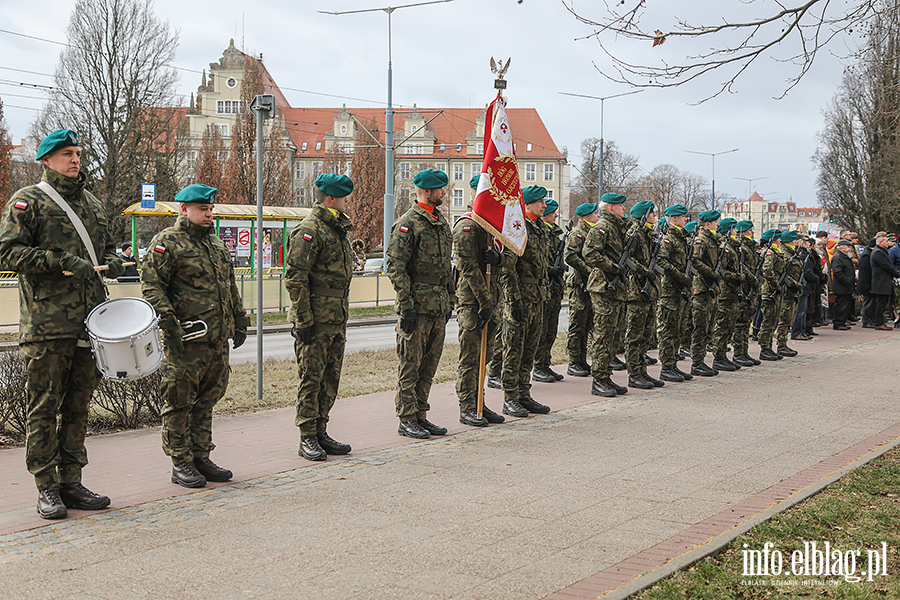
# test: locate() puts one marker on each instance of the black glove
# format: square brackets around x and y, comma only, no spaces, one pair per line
[238,339]
[409,318]
[174,342]
[491,257]
[518,313]
[304,334]
[484,315]
[555,272]
[79,267]
[172,334]
[116,268]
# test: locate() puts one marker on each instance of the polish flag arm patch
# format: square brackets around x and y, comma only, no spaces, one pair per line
[159,248]
[21,204]
[307,237]
[404,229]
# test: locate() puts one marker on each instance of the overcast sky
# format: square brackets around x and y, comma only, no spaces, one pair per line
[441,57]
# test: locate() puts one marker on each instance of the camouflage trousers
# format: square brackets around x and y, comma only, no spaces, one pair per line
[670,318]
[637,341]
[726,316]
[621,327]
[581,319]
[470,353]
[495,352]
[607,313]
[703,311]
[520,339]
[319,364]
[192,383]
[895,299]
[741,338]
[786,316]
[687,331]
[771,309]
[61,379]
[549,327]
[419,353]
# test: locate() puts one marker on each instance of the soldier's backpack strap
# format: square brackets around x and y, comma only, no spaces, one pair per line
[79,226]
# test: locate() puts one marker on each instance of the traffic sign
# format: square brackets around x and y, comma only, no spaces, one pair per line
[148,195]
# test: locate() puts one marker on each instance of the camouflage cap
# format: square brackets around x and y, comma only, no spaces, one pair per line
[612,198]
[197,193]
[337,186]
[642,208]
[533,193]
[676,210]
[586,209]
[61,138]
[431,179]
[552,206]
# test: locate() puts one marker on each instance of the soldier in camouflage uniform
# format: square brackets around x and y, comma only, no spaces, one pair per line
[601,252]
[673,294]
[418,264]
[705,255]
[770,296]
[39,242]
[581,313]
[747,305]
[319,267]
[691,233]
[188,276]
[790,295]
[477,310]
[526,289]
[556,272]
[730,281]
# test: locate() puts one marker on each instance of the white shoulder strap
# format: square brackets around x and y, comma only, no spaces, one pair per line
[79,226]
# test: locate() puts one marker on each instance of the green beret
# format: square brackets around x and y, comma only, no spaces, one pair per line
[662,222]
[61,138]
[586,209]
[690,227]
[430,179]
[708,216]
[612,198]
[744,225]
[337,186]
[533,193]
[767,234]
[788,236]
[676,210]
[552,206]
[473,183]
[642,208]
[726,225]
[199,193]
[776,235]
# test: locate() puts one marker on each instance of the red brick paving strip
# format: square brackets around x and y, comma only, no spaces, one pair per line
[614,577]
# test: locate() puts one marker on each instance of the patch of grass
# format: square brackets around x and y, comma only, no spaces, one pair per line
[856,513]
[279,317]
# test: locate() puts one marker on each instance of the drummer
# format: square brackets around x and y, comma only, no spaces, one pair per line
[188,277]
[58,287]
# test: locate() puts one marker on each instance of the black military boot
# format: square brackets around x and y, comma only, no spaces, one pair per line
[743,361]
[49,504]
[494,381]
[186,475]
[785,351]
[767,354]
[650,360]
[671,375]
[578,369]
[470,418]
[600,388]
[412,429]
[310,448]
[684,354]
[620,389]
[702,370]
[559,377]
[531,405]
[638,381]
[331,445]
[723,364]
[617,365]
[431,427]
[543,375]
[656,382]
[687,376]
[211,470]
[75,495]
[490,416]
[514,409]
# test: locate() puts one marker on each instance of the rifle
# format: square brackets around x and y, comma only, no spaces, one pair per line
[759,267]
[560,251]
[778,286]
[689,269]
[721,256]
[741,269]
[653,269]
[625,261]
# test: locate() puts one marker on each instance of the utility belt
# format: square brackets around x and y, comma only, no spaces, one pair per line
[329,292]
[533,281]
[430,279]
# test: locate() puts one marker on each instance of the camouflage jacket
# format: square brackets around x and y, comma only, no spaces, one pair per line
[418,262]
[187,275]
[705,256]
[525,279]
[602,251]
[673,260]
[554,241]
[730,278]
[470,241]
[795,270]
[318,269]
[640,254]
[773,265]
[751,262]
[574,258]
[34,234]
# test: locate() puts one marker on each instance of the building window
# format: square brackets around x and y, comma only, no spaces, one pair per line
[231,82]
[345,148]
[404,171]
[548,171]
[299,170]
[457,197]
[190,159]
[316,168]
[223,130]
[226,107]
[301,195]
[480,147]
[549,195]
[528,147]
[442,167]
[303,147]
[318,146]
[415,128]
[343,130]
[474,169]
[530,171]
[414,149]
[458,172]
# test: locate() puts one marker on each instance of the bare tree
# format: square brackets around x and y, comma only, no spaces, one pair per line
[210,159]
[111,76]
[277,167]
[790,33]
[367,203]
[240,176]
[662,185]
[693,192]
[5,159]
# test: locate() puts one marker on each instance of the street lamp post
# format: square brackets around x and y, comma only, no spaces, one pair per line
[388,120]
[601,99]
[713,154]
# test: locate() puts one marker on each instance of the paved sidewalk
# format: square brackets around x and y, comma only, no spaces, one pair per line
[549,505]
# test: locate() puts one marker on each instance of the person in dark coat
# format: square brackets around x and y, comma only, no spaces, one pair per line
[843,283]
[883,275]
[864,282]
[809,283]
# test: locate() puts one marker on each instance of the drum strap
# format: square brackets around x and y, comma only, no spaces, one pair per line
[79,226]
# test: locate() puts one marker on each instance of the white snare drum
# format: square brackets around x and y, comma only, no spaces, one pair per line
[125,338]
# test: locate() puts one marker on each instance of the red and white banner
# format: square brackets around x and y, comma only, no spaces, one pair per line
[498,205]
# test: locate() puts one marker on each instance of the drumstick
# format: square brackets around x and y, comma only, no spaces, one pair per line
[100,268]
